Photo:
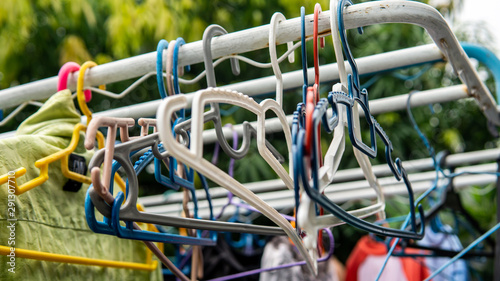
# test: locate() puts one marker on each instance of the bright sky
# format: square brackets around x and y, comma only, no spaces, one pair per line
[483,11]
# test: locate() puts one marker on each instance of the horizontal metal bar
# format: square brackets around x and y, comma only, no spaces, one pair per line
[257,38]
[370,64]
[342,176]
[377,106]
[344,192]
[293,80]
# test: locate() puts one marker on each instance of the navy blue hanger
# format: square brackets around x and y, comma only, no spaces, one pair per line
[357,94]
[300,169]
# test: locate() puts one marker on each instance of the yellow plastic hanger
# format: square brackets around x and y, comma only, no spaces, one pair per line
[63,155]
[80,96]
[37,255]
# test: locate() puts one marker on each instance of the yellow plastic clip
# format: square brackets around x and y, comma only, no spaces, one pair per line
[79,90]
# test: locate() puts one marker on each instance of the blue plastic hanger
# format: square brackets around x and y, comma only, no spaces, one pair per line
[162,45]
[175,71]
[113,227]
[300,168]
[303,52]
[187,182]
[357,94]
[174,181]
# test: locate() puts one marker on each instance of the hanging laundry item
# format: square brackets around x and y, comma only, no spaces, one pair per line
[52,220]
[458,270]
[279,251]
[368,256]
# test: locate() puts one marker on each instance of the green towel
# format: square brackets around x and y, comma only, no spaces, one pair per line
[50,219]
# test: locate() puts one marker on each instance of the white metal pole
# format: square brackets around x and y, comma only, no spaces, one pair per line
[257,38]
[341,192]
[347,175]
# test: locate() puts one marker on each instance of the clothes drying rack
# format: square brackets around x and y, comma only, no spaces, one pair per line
[348,184]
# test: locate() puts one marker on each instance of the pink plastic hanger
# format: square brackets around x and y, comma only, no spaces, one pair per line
[63,74]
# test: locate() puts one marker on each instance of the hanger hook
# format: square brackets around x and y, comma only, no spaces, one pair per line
[79,90]
[317,11]
[176,70]
[210,32]
[345,44]
[168,66]
[63,74]
[275,20]
[162,45]
[303,52]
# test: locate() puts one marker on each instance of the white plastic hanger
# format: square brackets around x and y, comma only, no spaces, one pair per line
[193,156]
[275,20]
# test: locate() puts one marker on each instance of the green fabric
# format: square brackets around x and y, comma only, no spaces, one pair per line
[50,219]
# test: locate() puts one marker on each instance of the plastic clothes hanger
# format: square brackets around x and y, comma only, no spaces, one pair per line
[43,165]
[63,155]
[193,156]
[312,97]
[113,124]
[313,193]
[210,32]
[353,85]
[63,74]
[176,169]
[79,89]
[275,20]
[162,45]
[312,93]
[52,257]
[113,227]
[335,151]
[107,228]
[168,70]
[214,113]
[306,215]
[129,211]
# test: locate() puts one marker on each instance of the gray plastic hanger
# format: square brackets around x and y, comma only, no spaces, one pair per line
[214,113]
[129,211]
